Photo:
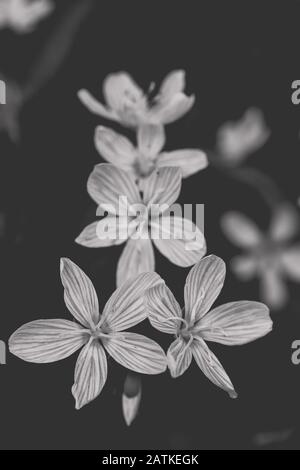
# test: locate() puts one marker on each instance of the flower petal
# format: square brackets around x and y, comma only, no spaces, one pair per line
[211,366]
[120,90]
[109,231]
[137,257]
[44,341]
[136,352]
[172,84]
[80,295]
[151,139]
[131,397]
[203,285]
[190,161]
[290,259]
[113,189]
[236,323]
[94,106]
[90,373]
[167,111]
[244,266]
[273,290]
[162,187]
[115,148]
[163,309]
[126,308]
[180,240]
[179,357]
[284,224]
[240,230]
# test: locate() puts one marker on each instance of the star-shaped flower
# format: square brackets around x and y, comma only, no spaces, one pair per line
[22,15]
[272,257]
[231,324]
[51,340]
[140,219]
[129,105]
[148,155]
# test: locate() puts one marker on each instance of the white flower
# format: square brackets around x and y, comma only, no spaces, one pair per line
[272,257]
[148,155]
[129,105]
[22,15]
[131,397]
[51,340]
[180,241]
[237,140]
[231,324]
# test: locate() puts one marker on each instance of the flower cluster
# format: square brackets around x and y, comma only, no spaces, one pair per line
[136,179]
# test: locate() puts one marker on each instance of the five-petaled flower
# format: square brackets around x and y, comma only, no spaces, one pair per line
[129,105]
[271,257]
[141,219]
[22,15]
[231,324]
[51,340]
[148,154]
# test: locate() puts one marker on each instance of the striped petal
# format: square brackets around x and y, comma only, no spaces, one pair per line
[211,366]
[179,357]
[236,323]
[126,308]
[203,285]
[115,148]
[178,239]
[163,309]
[80,295]
[162,188]
[136,258]
[136,352]
[90,373]
[110,231]
[240,230]
[190,161]
[113,189]
[44,341]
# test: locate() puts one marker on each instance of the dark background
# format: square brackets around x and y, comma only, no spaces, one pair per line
[236,55]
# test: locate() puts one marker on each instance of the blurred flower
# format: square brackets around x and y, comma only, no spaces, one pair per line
[51,340]
[231,324]
[237,140]
[147,156]
[181,241]
[129,105]
[131,397]
[262,439]
[271,257]
[22,15]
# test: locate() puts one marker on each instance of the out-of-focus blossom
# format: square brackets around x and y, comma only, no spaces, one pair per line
[43,341]
[231,324]
[127,103]
[148,155]
[22,15]
[272,257]
[237,140]
[140,219]
[131,397]
[263,439]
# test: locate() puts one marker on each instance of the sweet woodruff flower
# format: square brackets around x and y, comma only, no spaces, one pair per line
[230,324]
[141,219]
[128,104]
[237,140]
[272,257]
[148,154]
[51,340]
[22,15]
